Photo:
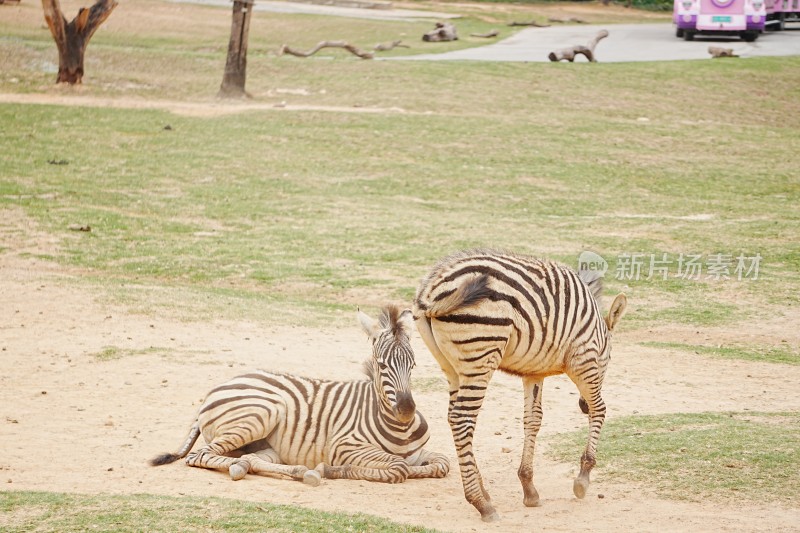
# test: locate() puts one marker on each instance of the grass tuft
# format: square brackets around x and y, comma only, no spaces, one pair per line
[782,355]
[745,456]
[48,511]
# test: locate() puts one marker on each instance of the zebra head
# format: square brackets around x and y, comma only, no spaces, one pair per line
[392,360]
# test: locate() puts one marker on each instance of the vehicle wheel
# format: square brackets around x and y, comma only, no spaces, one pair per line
[679,33]
[750,36]
[688,35]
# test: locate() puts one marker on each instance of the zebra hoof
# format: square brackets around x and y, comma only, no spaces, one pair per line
[532,502]
[312,478]
[491,517]
[579,487]
[237,471]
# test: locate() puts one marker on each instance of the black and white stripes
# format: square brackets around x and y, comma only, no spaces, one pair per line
[367,429]
[480,311]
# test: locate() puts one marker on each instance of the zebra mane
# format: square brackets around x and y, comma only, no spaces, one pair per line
[390,319]
[368,368]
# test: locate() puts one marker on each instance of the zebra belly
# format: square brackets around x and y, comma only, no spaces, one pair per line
[534,364]
[299,451]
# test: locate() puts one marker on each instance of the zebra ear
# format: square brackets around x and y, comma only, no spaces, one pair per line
[370,326]
[616,311]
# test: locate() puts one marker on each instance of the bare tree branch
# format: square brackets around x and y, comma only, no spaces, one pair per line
[487,35]
[286,49]
[531,23]
[576,20]
[385,47]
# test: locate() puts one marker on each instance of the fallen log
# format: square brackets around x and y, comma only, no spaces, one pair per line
[717,51]
[487,35]
[444,31]
[560,20]
[531,23]
[570,53]
[286,49]
[385,47]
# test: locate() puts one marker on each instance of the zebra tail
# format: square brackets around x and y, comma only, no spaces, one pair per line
[594,280]
[466,295]
[167,458]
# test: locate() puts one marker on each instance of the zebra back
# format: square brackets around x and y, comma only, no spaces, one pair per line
[520,306]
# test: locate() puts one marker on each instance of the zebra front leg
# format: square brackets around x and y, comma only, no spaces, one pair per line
[425,464]
[532,421]
[367,462]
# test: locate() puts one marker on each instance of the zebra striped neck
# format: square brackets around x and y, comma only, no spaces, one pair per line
[396,437]
[384,413]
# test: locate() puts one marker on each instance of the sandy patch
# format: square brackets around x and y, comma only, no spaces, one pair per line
[73,421]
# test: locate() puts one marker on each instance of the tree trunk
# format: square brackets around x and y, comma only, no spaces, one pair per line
[73,37]
[236,65]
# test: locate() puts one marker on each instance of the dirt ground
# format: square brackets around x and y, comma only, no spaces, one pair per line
[73,422]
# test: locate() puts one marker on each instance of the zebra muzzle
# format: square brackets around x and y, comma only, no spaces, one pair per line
[405,408]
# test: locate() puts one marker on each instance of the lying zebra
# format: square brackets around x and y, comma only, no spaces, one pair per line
[304,429]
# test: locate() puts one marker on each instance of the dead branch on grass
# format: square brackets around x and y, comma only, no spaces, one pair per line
[385,47]
[487,35]
[570,53]
[567,20]
[531,23]
[717,51]
[444,31]
[286,49]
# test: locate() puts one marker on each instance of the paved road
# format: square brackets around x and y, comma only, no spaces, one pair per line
[330,10]
[625,42]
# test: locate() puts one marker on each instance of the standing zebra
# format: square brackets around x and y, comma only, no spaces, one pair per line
[480,311]
[367,429]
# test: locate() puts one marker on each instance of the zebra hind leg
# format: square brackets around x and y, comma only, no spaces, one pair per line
[597,413]
[462,419]
[266,462]
[213,455]
[425,464]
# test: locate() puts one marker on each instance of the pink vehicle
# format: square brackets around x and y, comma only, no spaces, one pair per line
[779,12]
[742,18]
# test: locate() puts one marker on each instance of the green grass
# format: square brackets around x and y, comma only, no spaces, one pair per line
[47,511]
[438,384]
[699,457]
[300,216]
[109,353]
[784,355]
